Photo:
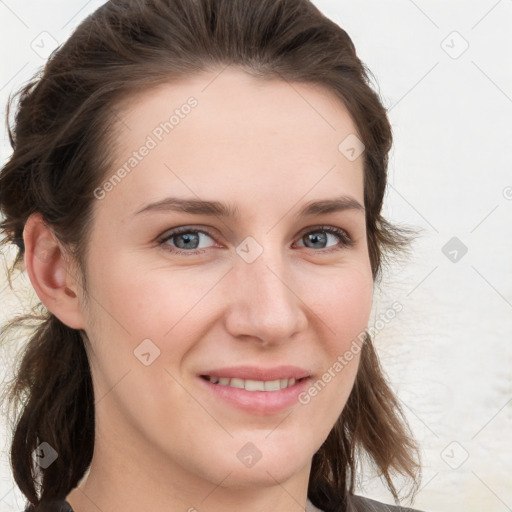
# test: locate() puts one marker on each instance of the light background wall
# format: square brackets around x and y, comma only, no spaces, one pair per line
[443,70]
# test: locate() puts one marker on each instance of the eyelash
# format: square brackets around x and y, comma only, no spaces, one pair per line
[341,233]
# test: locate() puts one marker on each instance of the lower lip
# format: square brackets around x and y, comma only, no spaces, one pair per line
[258,402]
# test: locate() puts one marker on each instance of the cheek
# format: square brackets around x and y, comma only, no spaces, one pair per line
[354,303]
[150,302]
[346,309]
[343,301]
[145,302]
[343,305]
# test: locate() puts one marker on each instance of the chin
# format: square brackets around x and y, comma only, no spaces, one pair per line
[259,476]
[261,464]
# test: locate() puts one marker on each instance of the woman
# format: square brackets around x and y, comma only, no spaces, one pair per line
[196,190]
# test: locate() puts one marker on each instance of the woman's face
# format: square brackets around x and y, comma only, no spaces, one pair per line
[260,295]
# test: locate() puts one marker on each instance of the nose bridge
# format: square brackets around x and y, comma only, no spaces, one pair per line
[264,305]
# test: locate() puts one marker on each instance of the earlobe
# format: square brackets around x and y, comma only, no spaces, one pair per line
[50,272]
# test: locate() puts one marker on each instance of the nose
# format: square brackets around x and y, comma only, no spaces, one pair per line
[264,300]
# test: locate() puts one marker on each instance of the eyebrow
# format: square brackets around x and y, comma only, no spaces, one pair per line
[219,209]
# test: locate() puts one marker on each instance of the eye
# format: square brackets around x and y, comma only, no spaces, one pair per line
[185,238]
[319,236]
[187,241]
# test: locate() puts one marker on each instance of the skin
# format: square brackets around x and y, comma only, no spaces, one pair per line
[163,442]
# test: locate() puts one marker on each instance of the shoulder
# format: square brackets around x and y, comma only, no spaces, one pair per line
[360,504]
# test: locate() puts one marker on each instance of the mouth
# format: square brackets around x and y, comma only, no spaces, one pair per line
[260,391]
[254,385]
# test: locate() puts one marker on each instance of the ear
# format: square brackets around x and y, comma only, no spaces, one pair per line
[51,273]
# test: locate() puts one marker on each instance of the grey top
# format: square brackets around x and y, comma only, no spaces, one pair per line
[360,504]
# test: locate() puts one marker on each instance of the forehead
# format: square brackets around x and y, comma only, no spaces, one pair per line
[222,133]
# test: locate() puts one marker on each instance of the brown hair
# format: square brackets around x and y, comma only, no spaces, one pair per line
[63,121]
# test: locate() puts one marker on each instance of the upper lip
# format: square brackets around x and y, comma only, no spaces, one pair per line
[258,373]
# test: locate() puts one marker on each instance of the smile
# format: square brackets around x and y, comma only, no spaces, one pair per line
[252,385]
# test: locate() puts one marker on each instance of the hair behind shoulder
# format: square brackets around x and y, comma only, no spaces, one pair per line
[61,135]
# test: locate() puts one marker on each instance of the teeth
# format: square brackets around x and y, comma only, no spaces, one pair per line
[237,383]
[273,385]
[253,385]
